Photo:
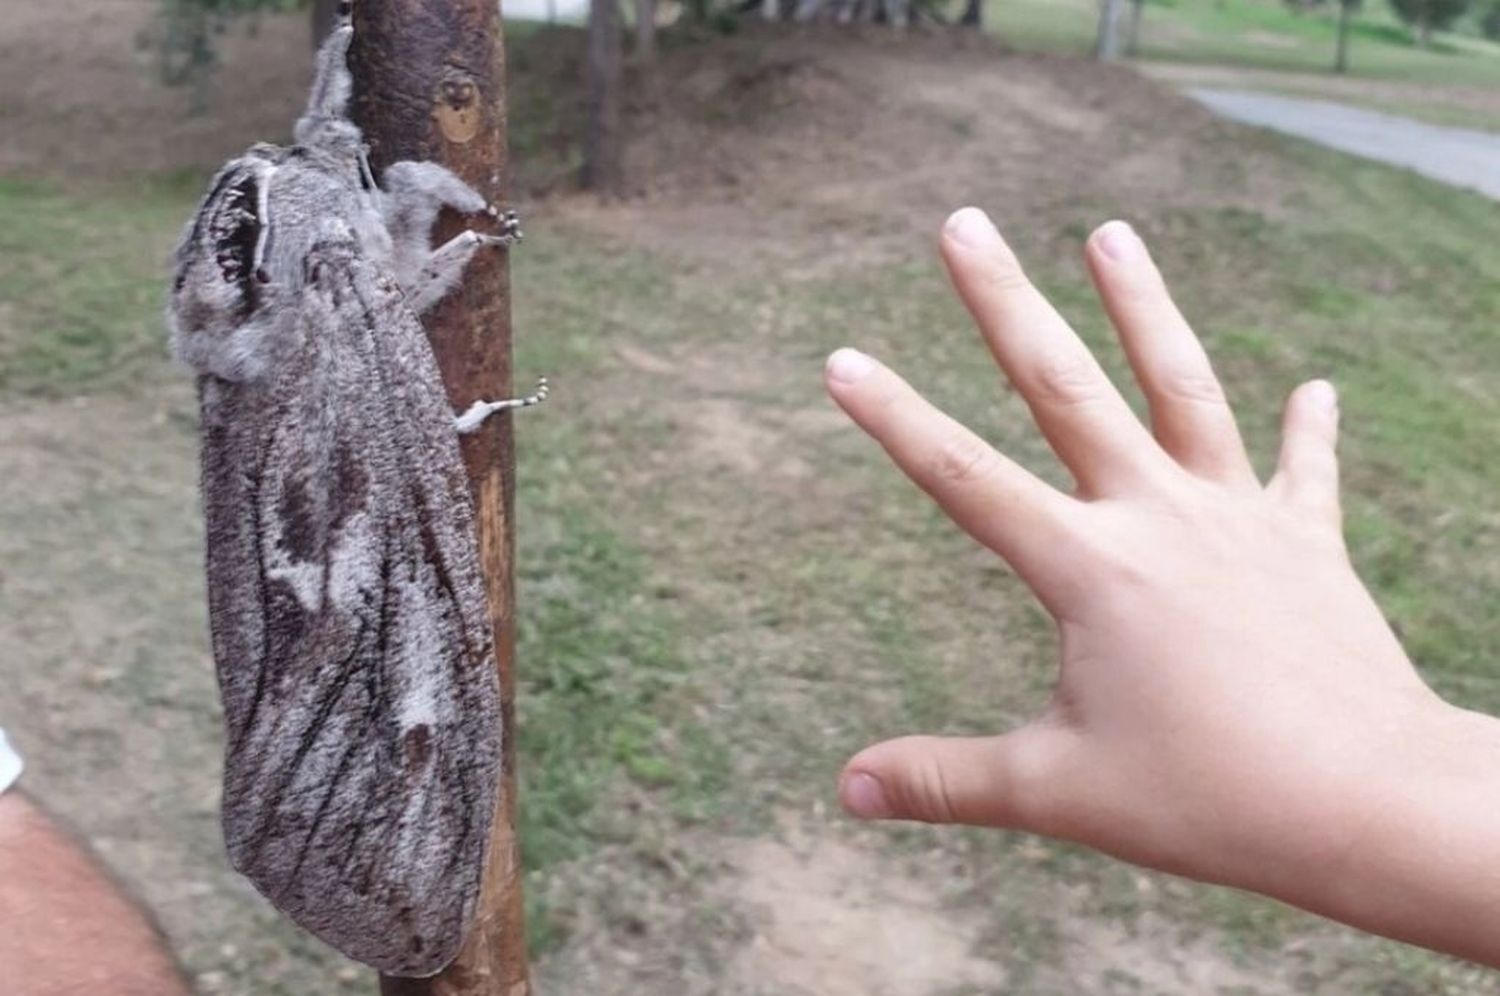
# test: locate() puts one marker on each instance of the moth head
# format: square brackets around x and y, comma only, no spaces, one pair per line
[223,264]
[331,134]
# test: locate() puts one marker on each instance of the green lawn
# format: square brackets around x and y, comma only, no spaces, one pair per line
[1256,33]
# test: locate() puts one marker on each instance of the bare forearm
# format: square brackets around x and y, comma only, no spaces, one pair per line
[1426,866]
[64,926]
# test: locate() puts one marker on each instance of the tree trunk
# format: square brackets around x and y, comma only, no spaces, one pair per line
[1133,32]
[1424,29]
[973,15]
[1341,57]
[602,170]
[645,31]
[429,83]
[1107,47]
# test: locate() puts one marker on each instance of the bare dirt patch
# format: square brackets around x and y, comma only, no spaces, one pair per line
[828,149]
[84,99]
[832,919]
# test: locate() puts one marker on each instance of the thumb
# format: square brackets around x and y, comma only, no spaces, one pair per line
[1005,781]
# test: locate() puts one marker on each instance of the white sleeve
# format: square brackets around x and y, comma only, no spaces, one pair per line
[10,763]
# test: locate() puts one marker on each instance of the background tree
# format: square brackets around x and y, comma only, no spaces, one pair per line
[1133,31]
[645,31]
[1489,23]
[1427,16]
[1346,14]
[1107,45]
[602,169]
[973,15]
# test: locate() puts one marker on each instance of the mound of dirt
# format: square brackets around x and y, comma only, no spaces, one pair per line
[83,96]
[837,127]
[869,131]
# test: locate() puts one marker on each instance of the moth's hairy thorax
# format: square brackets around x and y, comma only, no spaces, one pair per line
[238,279]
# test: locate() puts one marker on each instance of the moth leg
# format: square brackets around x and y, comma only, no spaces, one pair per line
[481,410]
[444,266]
[412,194]
[509,221]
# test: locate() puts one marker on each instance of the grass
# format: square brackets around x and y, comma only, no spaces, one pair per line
[1255,33]
[81,284]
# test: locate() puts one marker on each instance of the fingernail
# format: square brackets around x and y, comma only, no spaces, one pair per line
[849,365]
[1322,394]
[1118,241]
[971,227]
[863,796]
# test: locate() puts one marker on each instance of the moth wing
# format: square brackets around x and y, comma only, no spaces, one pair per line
[351,631]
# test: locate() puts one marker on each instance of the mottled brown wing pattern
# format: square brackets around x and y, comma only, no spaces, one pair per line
[350,628]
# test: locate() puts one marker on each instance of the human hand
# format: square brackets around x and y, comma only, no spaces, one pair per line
[1230,703]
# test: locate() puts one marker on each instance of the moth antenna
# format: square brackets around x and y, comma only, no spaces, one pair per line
[365,172]
[263,216]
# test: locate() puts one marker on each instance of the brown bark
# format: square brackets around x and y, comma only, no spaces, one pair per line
[602,171]
[973,15]
[429,83]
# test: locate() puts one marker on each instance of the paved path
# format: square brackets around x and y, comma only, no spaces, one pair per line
[1455,156]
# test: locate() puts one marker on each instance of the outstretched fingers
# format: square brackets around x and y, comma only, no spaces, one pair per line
[1083,416]
[1189,412]
[996,501]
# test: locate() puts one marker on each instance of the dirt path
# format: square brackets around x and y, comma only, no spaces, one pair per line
[1457,156]
[1465,106]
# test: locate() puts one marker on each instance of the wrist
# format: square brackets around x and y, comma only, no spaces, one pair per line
[1421,861]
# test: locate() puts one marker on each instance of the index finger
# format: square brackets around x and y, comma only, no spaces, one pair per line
[996,501]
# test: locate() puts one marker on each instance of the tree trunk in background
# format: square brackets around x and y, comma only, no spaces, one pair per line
[601,141]
[973,15]
[429,84]
[323,13]
[1341,58]
[1133,33]
[1107,47]
[645,31]
[1424,29]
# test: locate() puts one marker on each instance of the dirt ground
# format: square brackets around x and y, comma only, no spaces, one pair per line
[839,159]
[84,99]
